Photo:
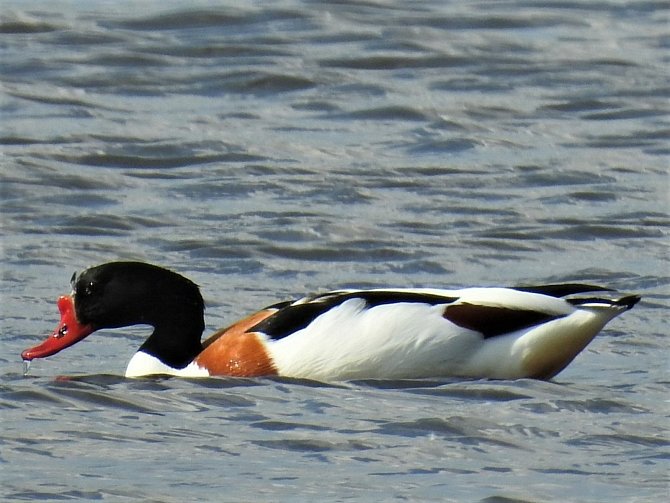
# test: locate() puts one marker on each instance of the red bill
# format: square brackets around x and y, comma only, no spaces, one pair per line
[68,332]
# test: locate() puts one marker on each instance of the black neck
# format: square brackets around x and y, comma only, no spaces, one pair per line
[176,341]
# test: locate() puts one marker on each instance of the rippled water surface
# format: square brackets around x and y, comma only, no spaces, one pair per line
[268,150]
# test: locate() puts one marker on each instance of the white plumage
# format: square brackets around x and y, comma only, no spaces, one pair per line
[414,340]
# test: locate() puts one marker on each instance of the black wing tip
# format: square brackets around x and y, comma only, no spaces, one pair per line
[629,301]
[562,289]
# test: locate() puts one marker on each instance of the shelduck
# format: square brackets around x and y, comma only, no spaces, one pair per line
[497,333]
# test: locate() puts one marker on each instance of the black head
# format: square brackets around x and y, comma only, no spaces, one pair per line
[119,294]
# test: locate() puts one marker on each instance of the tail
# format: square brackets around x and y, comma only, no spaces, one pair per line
[579,294]
[549,349]
[624,302]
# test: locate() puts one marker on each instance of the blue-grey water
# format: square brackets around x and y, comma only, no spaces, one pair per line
[266,150]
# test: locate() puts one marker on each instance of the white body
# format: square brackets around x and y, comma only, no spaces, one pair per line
[408,340]
[413,339]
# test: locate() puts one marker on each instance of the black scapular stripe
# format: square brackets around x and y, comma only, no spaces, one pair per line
[293,317]
[492,321]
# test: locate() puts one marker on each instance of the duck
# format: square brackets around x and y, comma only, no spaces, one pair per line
[385,333]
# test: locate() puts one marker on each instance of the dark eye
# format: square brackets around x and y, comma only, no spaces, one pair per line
[89,289]
[86,289]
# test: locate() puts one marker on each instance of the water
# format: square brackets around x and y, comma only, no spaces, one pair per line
[269,151]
